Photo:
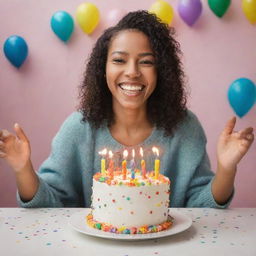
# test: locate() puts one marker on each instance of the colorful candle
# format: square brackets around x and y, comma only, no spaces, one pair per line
[157,162]
[103,161]
[124,168]
[111,165]
[143,164]
[132,165]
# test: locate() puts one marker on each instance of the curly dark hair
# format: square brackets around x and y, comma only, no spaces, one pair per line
[166,106]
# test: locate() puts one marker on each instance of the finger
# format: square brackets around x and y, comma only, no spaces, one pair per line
[230,126]
[4,134]
[20,133]
[246,143]
[2,154]
[1,145]
[250,136]
[247,131]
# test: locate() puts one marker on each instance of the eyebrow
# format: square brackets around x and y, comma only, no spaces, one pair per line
[140,54]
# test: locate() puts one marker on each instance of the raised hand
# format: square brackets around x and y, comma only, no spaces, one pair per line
[15,149]
[232,145]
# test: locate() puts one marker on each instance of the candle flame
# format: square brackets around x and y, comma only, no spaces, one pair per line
[125,153]
[155,151]
[133,153]
[110,154]
[141,152]
[103,152]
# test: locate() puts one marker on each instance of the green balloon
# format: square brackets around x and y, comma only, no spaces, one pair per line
[219,7]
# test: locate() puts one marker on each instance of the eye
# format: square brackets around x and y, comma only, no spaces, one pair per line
[118,60]
[147,62]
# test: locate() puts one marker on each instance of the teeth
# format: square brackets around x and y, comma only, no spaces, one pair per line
[131,87]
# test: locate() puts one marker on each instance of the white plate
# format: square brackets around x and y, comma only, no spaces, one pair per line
[181,222]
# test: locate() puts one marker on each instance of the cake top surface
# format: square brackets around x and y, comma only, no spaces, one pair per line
[117,179]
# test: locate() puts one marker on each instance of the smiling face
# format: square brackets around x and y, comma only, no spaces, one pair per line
[130,70]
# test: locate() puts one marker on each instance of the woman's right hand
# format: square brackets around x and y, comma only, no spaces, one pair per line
[15,149]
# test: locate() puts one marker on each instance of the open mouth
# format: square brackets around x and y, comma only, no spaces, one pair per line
[131,89]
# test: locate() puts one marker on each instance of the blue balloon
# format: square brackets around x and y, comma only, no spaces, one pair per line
[16,50]
[62,25]
[242,96]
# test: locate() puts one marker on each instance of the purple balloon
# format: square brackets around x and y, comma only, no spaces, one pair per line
[190,10]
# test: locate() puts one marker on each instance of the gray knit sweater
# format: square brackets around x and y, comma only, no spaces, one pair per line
[66,176]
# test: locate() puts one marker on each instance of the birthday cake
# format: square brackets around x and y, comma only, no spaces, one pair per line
[132,204]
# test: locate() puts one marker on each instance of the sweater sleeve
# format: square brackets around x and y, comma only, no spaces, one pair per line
[59,178]
[199,193]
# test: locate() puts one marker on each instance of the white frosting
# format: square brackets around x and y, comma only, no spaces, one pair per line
[131,206]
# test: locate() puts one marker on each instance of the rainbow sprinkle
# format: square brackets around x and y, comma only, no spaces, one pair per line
[124,230]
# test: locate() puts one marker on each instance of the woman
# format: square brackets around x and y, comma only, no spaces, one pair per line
[132,96]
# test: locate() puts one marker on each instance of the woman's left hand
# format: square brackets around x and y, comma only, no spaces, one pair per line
[232,145]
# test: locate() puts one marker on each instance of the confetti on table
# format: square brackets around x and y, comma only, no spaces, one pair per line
[48,229]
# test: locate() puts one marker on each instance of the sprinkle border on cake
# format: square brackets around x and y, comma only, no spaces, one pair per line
[125,230]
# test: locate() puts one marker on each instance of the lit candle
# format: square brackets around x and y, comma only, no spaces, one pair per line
[103,161]
[124,169]
[111,165]
[143,164]
[132,164]
[157,162]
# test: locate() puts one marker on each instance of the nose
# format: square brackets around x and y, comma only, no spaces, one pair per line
[132,70]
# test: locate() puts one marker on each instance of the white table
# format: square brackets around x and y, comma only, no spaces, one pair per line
[46,231]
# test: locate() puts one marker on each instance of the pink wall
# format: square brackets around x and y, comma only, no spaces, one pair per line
[43,92]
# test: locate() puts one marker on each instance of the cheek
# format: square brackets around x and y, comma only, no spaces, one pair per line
[111,74]
[109,77]
[152,78]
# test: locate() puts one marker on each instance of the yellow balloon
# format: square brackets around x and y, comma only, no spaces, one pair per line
[249,9]
[88,16]
[163,11]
